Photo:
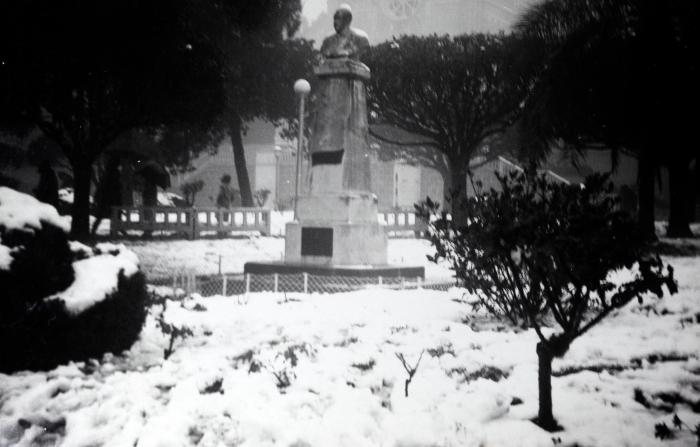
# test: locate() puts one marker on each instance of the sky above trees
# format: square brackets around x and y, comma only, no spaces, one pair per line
[313,10]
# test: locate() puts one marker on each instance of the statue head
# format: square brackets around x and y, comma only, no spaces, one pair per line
[347,42]
[342,18]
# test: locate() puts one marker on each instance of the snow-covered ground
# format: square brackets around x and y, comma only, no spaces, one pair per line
[329,370]
[322,370]
[164,258]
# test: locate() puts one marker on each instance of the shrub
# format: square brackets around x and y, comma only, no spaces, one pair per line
[537,250]
[190,190]
[48,335]
[40,333]
[260,196]
[42,265]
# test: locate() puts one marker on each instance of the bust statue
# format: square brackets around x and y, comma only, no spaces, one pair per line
[347,42]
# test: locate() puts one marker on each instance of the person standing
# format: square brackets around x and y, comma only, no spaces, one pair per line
[108,192]
[227,195]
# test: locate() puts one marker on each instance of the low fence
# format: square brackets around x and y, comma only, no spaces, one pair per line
[193,222]
[184,283]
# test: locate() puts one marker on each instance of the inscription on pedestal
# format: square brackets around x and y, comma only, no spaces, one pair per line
[316,241]
[327,158]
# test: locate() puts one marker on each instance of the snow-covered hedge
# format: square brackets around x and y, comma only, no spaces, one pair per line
[61,301]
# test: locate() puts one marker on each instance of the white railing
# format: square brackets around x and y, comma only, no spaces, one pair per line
[191,222]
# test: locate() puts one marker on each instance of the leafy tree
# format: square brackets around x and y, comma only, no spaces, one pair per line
[452,92]
[11,154]
[621,75]
[191,189]
[541,254]
[259,79]
[86,73]
[177,147]
[261,196]
[172,148]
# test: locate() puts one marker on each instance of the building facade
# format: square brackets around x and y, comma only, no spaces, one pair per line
[271,163]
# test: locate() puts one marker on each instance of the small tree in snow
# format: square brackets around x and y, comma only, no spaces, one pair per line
[260,197]
[541,253]
[411,371]
[191,189]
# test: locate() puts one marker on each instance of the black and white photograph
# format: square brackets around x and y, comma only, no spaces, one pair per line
[349,223]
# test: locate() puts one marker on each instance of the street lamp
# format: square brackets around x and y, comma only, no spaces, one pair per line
[276,199]
[301,88]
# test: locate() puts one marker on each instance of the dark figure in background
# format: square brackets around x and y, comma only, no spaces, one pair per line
[150,200]
[227,195]
[150,193]
[346,42]
[108,192]
[47,189]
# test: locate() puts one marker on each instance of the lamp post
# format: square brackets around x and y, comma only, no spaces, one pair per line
[301,88]
[276,198]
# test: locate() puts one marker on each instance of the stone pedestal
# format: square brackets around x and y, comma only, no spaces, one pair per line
[336,230]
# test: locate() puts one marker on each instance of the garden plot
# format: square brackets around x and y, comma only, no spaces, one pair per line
[323,370]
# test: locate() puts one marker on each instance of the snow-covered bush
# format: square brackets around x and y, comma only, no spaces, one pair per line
[541,254]
[61,301]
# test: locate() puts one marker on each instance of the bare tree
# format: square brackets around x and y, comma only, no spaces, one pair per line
[410,370]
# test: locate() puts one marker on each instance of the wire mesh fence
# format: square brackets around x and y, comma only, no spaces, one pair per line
[186,283]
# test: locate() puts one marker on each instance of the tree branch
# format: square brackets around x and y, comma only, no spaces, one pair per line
[410,370]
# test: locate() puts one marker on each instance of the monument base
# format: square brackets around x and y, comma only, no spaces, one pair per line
[332,243]
[337,234]
[374,271]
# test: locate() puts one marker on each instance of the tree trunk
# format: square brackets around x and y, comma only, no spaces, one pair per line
[446,186]
[458,192]
[150,193]
[239,161]
[82,177]
[645,183]
[679,184]
[693,193]
[545,418]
